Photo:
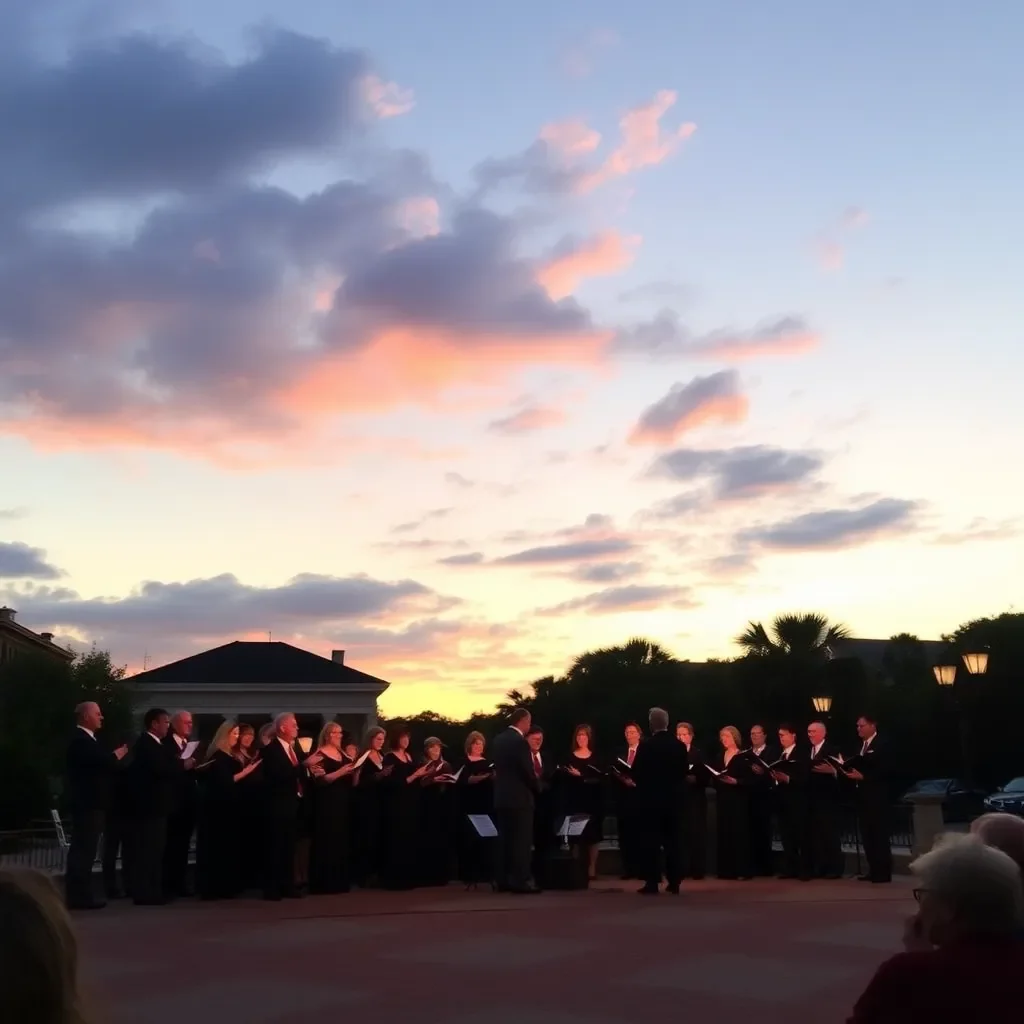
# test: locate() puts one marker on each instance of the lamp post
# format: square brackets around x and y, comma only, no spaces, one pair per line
[823,705]
[976,663]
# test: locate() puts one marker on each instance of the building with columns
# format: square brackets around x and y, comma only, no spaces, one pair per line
[253,681]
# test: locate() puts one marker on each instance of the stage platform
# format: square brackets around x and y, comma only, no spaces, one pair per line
[775,951]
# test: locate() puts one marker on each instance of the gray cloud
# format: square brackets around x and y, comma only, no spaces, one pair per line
[19,561]
[716,396]
[469,558]
[222,605]
[739,472]
[607,572]
[569,552]
[460,481]
[428,517]
[633,597]
[13,513]
[835,528]
[666,336]
[676,507]
[539,170]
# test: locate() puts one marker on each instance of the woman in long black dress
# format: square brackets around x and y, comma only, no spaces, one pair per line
[330,869]
[218,838]
[368,807]
[437,817]
[732,809]
[401,814]
[249,814]
[584,793]
[475,795]
[695,817]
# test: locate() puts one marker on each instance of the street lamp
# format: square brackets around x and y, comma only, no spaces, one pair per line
[945,675]
[305,744]
[823,705]
[977,663]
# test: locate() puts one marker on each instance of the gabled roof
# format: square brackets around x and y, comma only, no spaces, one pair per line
[247,663]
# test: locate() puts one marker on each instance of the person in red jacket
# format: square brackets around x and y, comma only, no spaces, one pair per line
[971,910]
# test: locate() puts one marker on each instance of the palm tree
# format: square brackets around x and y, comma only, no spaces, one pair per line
[635,654]
[807,638]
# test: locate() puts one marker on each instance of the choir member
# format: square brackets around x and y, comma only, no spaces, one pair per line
[659,774]
[823,805]
[732,809]
[791,800]
[870,773]
[116,838]
[266,734]
[544,806]
[762,803]
[330,869]
[474,795]
[181,822]
[515,786]
[281,775]
[219,831]
[695,825]
[629,824]
[437,816]
[153,772]
[370,797]
[91,771]
[247,750]
[583,793]
[401,814]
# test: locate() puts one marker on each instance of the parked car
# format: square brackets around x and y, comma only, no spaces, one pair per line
[1008,798]
[960,803]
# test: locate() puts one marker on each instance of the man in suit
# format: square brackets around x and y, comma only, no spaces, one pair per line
[871,776]
[631,845]
[182,820]
[282,777]
[515,789]
[544,841]
[151,786]
[659,774]
[761,803]
[90,768]
[823,805]
[791,802]
[695,826]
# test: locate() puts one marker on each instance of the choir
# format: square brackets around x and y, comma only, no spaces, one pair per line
[282,814]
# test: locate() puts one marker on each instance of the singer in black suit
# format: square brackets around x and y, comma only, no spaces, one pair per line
[282,798]
[151,787]
[659,774]
[515,788]
[181,822]
[791,803]
[871,775]
[544,807]
[90,770]
[823,809]
[761,797]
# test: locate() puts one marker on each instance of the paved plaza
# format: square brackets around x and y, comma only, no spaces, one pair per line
[777,951]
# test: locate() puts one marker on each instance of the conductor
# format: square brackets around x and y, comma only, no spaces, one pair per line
[515,787]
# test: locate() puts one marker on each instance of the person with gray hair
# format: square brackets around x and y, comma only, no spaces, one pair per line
[659,774]
[282,800]
[971,911]
[1003,832]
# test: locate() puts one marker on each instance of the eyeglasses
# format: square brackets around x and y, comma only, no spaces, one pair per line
[918,893]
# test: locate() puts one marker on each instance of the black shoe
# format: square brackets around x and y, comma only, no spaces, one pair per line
[87,905]
[648,890]
[294,894]
[863,878]
[789,878]
[880,881]
[672,890]
[273,897]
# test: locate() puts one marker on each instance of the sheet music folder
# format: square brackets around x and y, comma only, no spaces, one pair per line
[572,825]
[483,825]
[189,749]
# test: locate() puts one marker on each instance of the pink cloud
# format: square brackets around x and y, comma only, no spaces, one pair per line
[571,139]
[386,99]
[598,256]
[528,420]
[831,246]
[420,216]
[716,398]
[644,141]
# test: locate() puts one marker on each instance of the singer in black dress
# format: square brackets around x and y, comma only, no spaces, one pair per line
[437,817]
[402,791]
[330,869]
[733,807]
[221,775]
[583,792]
[695,823]
[249,815]
[369,810]
[475,795]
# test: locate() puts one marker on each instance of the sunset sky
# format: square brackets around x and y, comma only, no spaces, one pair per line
[467,337]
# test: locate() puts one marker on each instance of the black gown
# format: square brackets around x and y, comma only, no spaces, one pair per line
[475,853]
[368,820]
[695,817]
[732,810]
[218,838]
[250,820]
[330,869]
[401,805]
[585,794]
[436,810]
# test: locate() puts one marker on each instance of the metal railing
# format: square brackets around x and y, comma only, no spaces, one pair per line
[38,847]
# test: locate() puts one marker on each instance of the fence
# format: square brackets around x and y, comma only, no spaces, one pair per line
[38,847]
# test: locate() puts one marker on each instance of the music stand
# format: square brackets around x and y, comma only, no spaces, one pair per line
[485,828]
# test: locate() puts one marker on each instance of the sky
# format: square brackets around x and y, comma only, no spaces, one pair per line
[468,337]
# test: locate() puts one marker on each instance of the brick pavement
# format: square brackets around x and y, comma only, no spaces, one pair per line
[777,950]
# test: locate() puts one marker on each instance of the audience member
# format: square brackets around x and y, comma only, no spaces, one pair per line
[971,909]
[38,952]
[1002,832]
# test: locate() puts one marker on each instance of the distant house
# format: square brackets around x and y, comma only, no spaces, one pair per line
[18,639]
[253,681]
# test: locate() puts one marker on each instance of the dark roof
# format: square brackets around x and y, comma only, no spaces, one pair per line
[44,641]
[244,662]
